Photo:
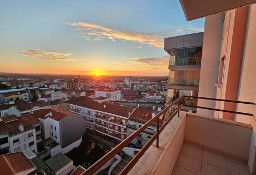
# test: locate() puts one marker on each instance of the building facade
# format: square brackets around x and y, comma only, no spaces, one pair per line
[184,65]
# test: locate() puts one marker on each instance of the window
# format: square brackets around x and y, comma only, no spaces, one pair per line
[52,134]
[37,128]
[31,144]
[122,129]
[55,128]
[221,71]
[3,140]
[116,127]
[51,127]
[16,141]
[55,136]
[4,150]
[30,134]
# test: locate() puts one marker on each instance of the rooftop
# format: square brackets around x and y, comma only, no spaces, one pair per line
[5,106]
[143,114]
[11,124]
[58,162]
[14,163]
[22,105]
[104,107]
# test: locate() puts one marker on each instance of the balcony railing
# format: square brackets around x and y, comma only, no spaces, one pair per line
[185,61]
[183,82]
[177,105]
[92,169]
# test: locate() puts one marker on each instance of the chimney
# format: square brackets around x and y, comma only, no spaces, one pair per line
[153,114]
[159,109]
[154,108]
[21,127]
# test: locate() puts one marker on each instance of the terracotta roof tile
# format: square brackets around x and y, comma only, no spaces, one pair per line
[14,163]
[115,109]
[11,124]
[104,107]
[22,105]
[4,106]
[143,114]
[55,113]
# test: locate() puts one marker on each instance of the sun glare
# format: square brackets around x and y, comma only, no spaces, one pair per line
[98,72]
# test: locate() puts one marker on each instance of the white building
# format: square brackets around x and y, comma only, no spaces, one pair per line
[20,134]
[112,95]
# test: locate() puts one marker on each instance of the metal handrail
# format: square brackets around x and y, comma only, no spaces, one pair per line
[221,110]
[97,165]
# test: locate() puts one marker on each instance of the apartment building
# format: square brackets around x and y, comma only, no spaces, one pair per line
[20,134]
[111,120]
[13,96]
[85,107]
[111,95]
[184,65]
[74,84]
[138,118]
[105,118]
[62,126]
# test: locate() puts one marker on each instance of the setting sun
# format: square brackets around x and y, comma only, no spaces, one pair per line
[98,72]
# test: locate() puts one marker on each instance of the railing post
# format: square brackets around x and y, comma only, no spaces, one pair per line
[178,108]
[157,139]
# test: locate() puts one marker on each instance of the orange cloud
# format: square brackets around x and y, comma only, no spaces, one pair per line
[47,55]
[98,32]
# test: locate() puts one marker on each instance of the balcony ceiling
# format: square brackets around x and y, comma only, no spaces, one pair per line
[194,9]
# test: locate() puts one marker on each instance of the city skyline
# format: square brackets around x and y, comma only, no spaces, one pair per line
[90,37]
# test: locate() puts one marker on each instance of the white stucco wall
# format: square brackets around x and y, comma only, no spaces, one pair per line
[210,61]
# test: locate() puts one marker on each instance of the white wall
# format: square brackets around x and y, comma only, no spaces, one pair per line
[130,151]
[210,61]
[66,169]
[56,132]
[23,142]
[14,111]
[56,150]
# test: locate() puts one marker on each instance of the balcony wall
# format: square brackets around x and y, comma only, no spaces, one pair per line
[225,137]
[228,137]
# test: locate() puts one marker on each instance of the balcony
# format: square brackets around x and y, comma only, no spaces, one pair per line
[198,145]
[188,63]
[191,144]
[183,84]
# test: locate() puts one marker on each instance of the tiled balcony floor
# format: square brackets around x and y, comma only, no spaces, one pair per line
[196,160]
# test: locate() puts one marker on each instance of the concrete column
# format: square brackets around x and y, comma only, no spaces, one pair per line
[210,61]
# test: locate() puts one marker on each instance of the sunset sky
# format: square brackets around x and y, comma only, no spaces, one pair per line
[110,37]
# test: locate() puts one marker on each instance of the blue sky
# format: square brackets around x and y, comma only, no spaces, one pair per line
[82,37]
